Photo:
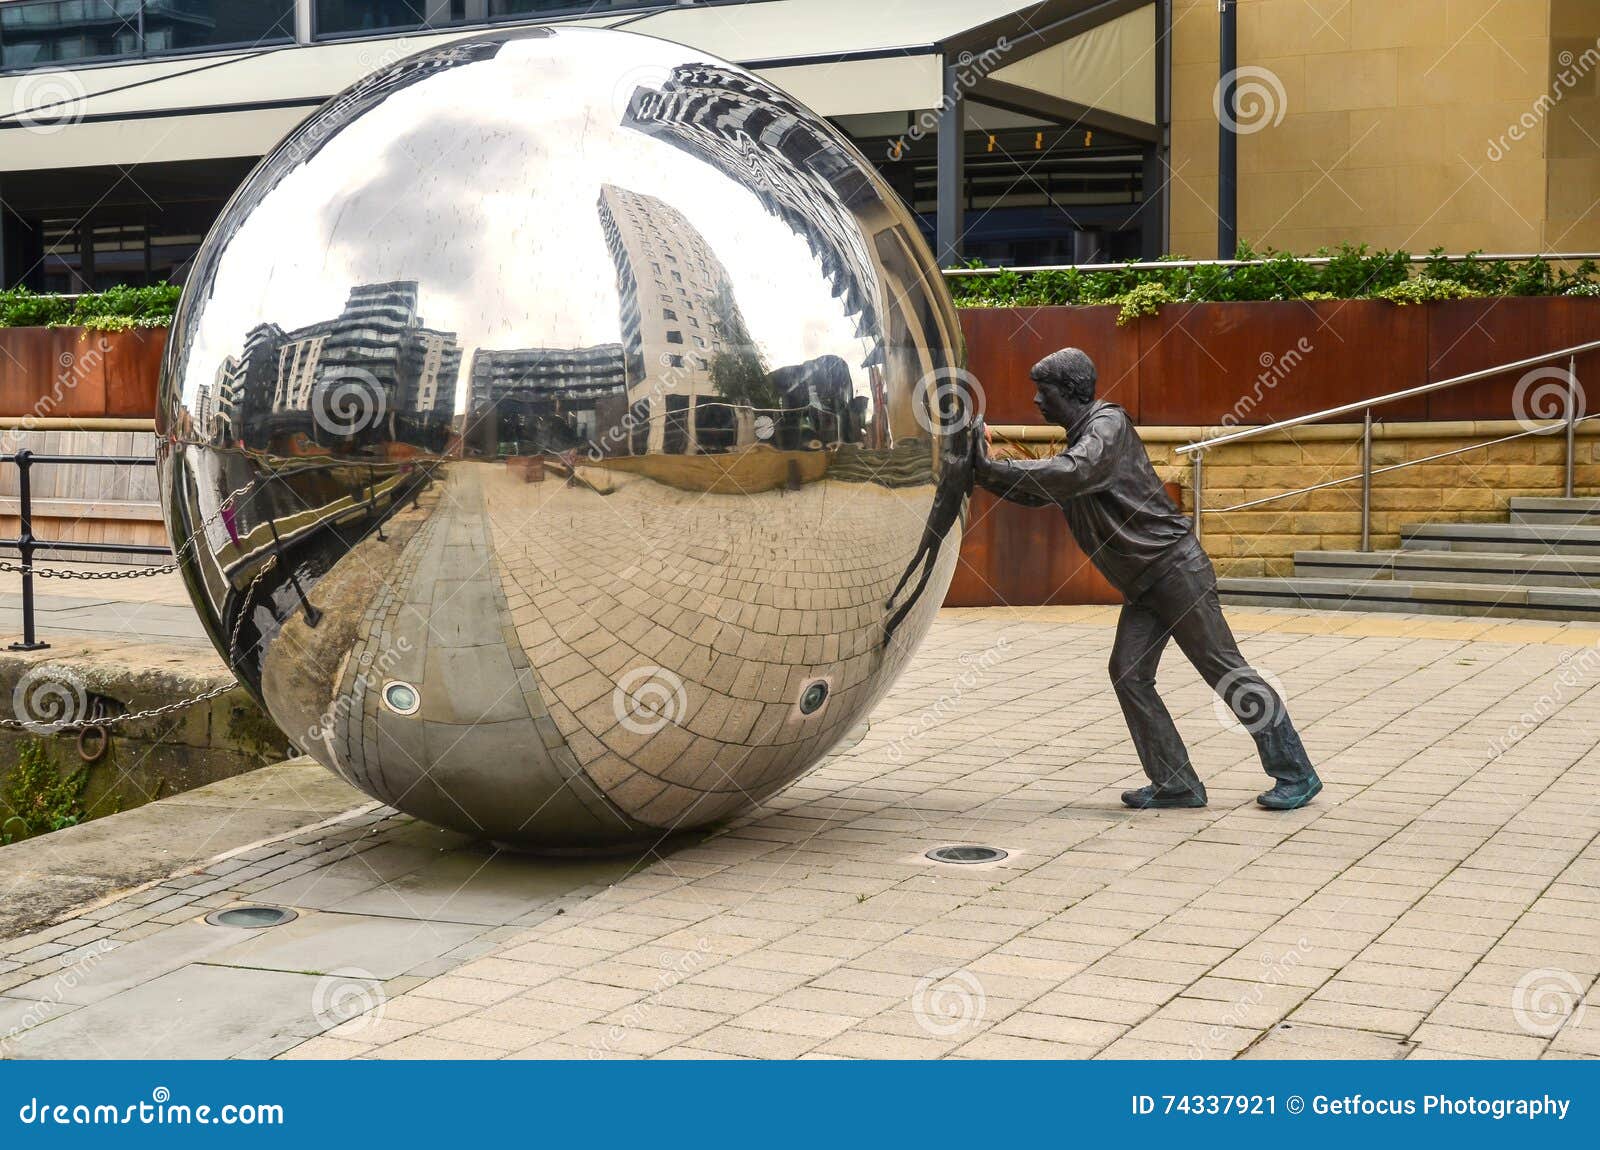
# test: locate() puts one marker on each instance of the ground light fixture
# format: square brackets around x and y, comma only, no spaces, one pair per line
[251,917]
[401,698]
[966,854]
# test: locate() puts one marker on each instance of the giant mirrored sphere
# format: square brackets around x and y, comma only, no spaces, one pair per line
[563,437]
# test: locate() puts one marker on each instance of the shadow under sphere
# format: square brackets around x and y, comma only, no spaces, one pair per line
[560,436]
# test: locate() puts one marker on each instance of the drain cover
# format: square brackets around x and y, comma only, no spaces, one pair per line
[966,854]
[251,917]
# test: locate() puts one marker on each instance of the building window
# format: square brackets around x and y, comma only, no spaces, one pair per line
[67,31]
[668,313]
[674,361]
[674,336]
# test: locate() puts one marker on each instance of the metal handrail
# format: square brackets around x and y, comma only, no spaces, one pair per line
[1314,261]
[1391,397]
[1568,422]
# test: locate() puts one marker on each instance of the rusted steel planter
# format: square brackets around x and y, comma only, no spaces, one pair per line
[1202,365]
[72,372]
[1207,363]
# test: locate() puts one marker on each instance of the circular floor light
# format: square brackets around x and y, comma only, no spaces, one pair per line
[251,917]
[812,698]
[967,854]
[401,698]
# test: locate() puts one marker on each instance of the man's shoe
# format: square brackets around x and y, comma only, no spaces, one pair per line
[1290,796]
[1149,798]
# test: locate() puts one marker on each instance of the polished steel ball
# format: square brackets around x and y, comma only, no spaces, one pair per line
[564,436]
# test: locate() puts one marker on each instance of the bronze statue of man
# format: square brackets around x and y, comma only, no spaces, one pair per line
[1120,514]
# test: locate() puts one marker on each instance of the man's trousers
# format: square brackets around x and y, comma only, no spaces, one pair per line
[1181,603]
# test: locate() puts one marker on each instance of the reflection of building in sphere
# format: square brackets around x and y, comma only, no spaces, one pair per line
[670,283]
[813,180]
[754,133]
[543,398]
[377,347]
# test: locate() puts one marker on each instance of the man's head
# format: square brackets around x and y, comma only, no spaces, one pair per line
[1064,382]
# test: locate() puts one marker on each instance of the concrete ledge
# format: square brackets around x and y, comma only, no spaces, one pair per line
[46,878]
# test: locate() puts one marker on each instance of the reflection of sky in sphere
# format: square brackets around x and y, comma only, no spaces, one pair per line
[481,183]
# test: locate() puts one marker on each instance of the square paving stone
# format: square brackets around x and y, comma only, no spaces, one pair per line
[318,942]
[193,1012]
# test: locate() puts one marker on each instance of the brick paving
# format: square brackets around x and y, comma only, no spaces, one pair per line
[1437,901]
[1398,916]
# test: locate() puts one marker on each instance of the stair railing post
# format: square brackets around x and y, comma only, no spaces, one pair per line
[25,547]
[1199,499]
[1572,421]
[1366,480]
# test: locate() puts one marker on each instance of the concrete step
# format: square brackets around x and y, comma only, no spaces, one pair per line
[1498,600]
[1505,538]
[1534,511]
[1546,570]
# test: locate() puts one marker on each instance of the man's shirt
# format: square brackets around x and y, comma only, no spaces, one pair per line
[1115,504]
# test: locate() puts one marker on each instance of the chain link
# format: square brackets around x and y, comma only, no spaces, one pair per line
[154,712]
[48,728]
[126,573]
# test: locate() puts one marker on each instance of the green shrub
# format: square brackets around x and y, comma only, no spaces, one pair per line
[37,797]
[120,308]
[1426,289]
[1353,271]
[1142,299]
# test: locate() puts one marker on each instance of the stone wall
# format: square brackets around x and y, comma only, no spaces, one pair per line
[1389,122]
[1473,487]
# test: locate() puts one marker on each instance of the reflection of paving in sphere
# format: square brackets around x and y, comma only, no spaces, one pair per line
[648,517]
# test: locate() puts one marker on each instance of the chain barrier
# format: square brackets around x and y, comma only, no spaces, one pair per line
[104,724]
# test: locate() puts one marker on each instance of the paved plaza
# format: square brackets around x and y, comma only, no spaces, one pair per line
[1437,901]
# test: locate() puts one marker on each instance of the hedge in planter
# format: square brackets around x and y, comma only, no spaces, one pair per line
[1351,272]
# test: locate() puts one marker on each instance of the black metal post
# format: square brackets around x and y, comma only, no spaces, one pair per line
[950,180]
[313,616]
[25,542]
[1227,133]
[1158,157]
[372,503]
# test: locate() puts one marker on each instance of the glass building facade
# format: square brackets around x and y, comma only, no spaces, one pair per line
[45,33]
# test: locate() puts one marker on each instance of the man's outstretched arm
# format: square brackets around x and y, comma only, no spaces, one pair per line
[1083,468]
